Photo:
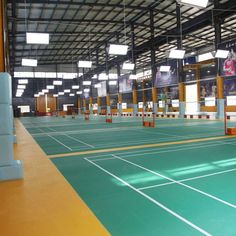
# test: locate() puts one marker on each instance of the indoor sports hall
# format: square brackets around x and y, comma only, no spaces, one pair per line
[117,118]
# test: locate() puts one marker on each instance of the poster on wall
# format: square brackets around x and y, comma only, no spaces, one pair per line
[166,78]
[228,65]
[125,84]
[229,87]
[208,71]
[168,93]
[208,88]
[102,91]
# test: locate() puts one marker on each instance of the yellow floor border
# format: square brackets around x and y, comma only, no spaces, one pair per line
[138,147]
[43,204]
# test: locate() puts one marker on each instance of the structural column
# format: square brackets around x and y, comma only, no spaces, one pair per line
[181,100]
[120,103]
[153,63]
[91,104]
[99,104]
[84,104]
[108,102]
[154,99]
[182,103]
[135,99]
[219,80]
[220,97]
[9,168]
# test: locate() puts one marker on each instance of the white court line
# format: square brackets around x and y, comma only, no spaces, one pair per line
[142,141]
[189,179]
[60,142]
[79,141]
[51,129]
[86,131]
[177,182]
[152,200]
[140,153]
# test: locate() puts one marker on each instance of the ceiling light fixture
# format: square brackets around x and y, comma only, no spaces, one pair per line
[128,66]
[177,54]
[195,3]
[29,62]
[85,64]
[164,68]
[221,53]
[37,38]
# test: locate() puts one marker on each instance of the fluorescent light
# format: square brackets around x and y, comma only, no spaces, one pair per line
[97,85]
[85,64]
[94,77]
[128,66]
[41,93]
[75,86]
[133,77]
[113,76]
[57,82]
[103,76]
[117,49]
[37,38]
[45,90]
[222,53]
[55,95]
[29,62]
[20,90]
[87,82]
[36,95]
[112,82]
[71,95]
[61,93]
[50,86]
[205,56]
[66,90]
[86,90]
[177,54]
[24,74]
[79,92]
[40,74]
[69,75]
[50,75]
[196,3]
[21,86]
[164,68]
[22,81]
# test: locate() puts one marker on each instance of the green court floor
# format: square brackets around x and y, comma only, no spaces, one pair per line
[174,189]
[59,135]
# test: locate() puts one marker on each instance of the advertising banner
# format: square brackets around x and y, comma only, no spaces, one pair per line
[228,65]
[102,91]
[208,88]
[229,87]
[166,78]
[125,84]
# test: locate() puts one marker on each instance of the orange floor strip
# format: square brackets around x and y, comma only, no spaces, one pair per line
[138,147]
[43,204]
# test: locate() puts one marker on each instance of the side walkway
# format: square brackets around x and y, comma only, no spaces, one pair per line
[43,204]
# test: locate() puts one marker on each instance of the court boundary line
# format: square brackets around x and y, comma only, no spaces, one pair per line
[181,148]
[189,179]
[177,182]
[55,139]
[137,147]
[78,140]
[152,200]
